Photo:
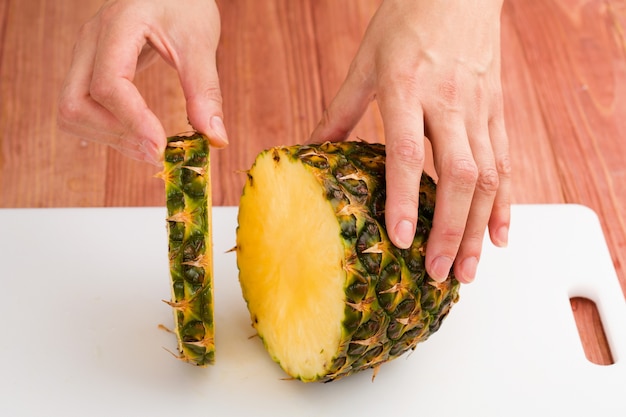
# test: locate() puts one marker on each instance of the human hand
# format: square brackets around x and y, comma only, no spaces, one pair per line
[434,69]
[99,101]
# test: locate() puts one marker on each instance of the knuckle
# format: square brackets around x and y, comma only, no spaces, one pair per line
[86,28]
[101,90]
[69,110]
[213,92]
[452,234]
[407,203]
[111,11]
[402,202]
[403,80]
[407,150]
[488,180]
[503,166]
[400,75]
[501,205]
[473,241]
[464,172]
[209,94]
[409,82]
[449,91]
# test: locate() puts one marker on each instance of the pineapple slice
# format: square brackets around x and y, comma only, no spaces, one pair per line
[327,291]
[188,193]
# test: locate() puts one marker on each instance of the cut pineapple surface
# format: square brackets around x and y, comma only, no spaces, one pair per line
[303,266]
[327,292]
[188,197]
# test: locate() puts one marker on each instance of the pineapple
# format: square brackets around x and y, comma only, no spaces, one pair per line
[327,291]
[188,193]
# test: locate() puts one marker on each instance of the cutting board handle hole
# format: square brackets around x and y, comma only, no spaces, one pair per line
[591,331]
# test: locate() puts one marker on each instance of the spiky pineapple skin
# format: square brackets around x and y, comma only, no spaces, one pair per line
[188,198]
[391,304]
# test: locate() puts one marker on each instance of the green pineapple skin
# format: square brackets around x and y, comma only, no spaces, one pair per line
[188,199]
[391,304]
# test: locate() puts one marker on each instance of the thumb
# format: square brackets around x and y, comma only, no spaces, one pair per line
[345,110]
[201,87]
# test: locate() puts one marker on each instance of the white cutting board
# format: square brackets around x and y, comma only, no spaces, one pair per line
[81,292]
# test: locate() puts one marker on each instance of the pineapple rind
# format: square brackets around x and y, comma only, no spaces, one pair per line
[391,304]
[188,200]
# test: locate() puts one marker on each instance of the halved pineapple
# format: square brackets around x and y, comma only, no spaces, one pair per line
[327,291]
[188,193]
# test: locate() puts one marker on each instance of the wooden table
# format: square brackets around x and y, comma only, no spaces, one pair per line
[564,80]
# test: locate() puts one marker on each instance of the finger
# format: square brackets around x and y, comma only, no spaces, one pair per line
[482,203]
[76,107]
[195,62]
[81,116]
[112,85]
[200,82]
[128,147]
[201,87]
[455,189]
[487,184]
[500,219]
[346,108]
[404,137]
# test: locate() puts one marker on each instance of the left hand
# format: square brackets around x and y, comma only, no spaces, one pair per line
[434,68]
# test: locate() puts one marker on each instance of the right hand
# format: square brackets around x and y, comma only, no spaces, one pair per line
[99,100]
[434,69]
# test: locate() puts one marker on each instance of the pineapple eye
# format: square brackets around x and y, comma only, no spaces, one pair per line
[188,202]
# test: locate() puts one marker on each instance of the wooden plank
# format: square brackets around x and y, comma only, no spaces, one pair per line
[575,66]
[40,167]
[339,28]
[591,331]
[580,74]
[535,177]
[268,73]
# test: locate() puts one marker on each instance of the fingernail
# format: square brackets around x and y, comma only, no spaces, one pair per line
[151,152]
[502,236]
[440,268]
[217,126]
[468,269]
[405,231]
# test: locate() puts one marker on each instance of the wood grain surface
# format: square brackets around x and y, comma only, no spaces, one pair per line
[281,62]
